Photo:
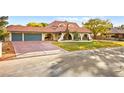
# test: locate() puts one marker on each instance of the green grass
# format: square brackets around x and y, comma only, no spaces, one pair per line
[73,46]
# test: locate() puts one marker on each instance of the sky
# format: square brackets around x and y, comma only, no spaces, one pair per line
[23,20]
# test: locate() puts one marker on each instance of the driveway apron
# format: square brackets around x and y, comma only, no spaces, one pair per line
[35,48]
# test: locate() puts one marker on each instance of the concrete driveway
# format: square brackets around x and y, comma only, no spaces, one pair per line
[98,63]
[35,48]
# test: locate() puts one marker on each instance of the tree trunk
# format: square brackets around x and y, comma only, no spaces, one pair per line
[95,36]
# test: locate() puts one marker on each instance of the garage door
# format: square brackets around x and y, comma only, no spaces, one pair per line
[16,37]
[32,37]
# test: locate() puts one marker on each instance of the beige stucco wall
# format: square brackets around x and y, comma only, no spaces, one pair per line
[55,36]
[8,38]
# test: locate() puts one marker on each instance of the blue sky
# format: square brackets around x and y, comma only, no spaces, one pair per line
[23,20]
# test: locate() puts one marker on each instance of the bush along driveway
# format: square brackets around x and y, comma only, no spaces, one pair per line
[7,51]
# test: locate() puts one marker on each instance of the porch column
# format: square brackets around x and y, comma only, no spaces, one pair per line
[54,37]
[72,36]
[81,35]
[0,49]
[43,36]
[89,37]
[23,37]
[61,37]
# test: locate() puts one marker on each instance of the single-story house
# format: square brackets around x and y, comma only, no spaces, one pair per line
[57,30]
[117,34]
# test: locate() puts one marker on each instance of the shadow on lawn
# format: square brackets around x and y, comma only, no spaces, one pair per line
[107,63]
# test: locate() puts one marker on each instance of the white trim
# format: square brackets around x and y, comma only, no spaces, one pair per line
[23,38]
[43,36]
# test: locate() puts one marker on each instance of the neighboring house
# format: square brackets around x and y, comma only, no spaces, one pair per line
[117,34]
[57,30]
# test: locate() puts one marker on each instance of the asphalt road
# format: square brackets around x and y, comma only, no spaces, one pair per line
[93,63]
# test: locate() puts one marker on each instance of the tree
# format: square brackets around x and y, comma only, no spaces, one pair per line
[98,26]
[120,27]
[34,24]
[3,23]
[44,24]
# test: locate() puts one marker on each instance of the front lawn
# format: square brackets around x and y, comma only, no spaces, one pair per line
[72,46]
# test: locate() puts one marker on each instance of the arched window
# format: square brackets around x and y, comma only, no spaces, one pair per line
[67,36]
[48,36]
[85,37]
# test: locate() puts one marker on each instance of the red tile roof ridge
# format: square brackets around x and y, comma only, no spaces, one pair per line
[52,27]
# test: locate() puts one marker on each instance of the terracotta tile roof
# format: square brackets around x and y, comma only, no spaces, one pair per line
[84,30]
[56,26]
[58,23]
[18,28]
[62,26]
